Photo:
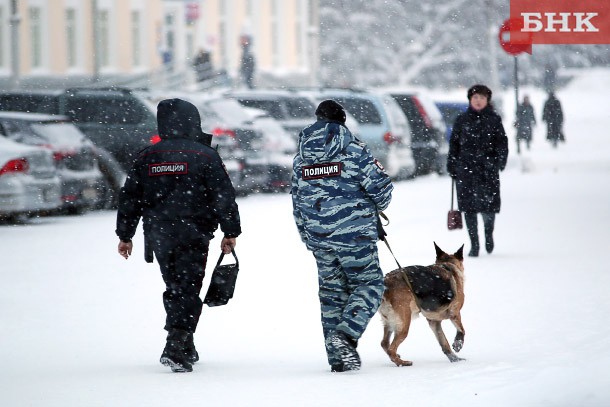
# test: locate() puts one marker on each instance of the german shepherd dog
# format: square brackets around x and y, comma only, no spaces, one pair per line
[436,291]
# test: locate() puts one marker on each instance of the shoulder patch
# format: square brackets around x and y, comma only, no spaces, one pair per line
[326,170]
[167,169]
[378,164]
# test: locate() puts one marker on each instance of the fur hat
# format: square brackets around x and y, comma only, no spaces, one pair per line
[481,90]
[331,110]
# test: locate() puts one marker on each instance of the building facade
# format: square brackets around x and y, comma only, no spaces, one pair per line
[118,41]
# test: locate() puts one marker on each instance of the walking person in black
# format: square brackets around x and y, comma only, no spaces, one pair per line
[526,120]
[248,62]
[478,150]
[552,114]
[182,191]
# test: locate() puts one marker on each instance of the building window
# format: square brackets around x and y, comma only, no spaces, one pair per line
[71,37]
[136,40]
[103,38]
[36,37]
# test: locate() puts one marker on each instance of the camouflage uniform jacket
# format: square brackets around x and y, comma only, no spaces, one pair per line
[337,188]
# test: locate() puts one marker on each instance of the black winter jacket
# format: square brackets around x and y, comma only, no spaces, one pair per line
[179,183]
[478,151]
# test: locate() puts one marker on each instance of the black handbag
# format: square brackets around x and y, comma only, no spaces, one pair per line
[454,217]
[223,282]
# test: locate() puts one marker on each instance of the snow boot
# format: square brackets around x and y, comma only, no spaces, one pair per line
[488,222]
[347,352]
[189,349]
[174,354]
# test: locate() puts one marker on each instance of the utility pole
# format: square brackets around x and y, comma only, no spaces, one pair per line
[15,20]
[95,36]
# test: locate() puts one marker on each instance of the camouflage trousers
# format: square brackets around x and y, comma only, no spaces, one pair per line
[351,287]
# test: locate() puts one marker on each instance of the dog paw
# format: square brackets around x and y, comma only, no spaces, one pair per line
[454,358]
[401,363]
[457,345]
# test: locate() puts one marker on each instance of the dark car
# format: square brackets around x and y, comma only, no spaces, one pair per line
[73,152]
[450,111]
[427,130]
[117,120]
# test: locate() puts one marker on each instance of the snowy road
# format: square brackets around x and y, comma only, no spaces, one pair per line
[83,327]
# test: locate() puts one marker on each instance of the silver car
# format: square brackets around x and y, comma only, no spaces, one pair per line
[28,180]
[74,154]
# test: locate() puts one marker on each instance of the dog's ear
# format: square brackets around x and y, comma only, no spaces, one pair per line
[439,252]
[460,254]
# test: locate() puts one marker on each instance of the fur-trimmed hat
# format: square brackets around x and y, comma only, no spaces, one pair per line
[331,110]
[481,90]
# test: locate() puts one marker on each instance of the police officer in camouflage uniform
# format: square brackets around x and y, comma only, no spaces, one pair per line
[338,188]
[182,190]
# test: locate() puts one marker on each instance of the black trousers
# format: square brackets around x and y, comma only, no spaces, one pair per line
[182,261]
[472,224]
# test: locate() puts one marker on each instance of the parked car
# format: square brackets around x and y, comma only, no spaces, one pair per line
[278,146]
[28,180]
[292,110]
[117,120]
[382,125]
[73,152]
[316,96]
[427,130]
[450,111]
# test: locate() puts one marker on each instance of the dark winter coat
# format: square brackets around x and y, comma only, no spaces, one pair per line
[525,120]
[178,185]
[478,150]
[552,114]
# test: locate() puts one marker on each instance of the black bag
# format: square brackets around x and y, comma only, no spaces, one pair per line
[223,281]
[454,217]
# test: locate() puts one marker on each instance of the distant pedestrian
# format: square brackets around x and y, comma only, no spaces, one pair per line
[550,78]
[248,62]
[526,120]
[203,65]
[338,189]
[182,190]
[552,114]
[478,151]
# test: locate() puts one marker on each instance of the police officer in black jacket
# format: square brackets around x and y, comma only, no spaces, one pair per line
[181,189]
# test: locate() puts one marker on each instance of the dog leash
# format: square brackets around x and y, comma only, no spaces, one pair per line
[382,236]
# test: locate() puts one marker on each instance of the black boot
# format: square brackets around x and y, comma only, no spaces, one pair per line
[346,347]
[472,225]
[489,221]
[189,349]
[174,354]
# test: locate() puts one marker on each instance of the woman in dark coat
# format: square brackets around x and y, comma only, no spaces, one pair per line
[552,114]
[478,150]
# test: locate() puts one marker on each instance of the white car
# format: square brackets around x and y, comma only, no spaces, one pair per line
[278,145]
[28,180]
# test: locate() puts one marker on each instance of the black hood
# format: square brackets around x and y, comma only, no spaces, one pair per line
[177,118]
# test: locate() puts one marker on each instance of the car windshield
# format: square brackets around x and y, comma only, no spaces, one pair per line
[363,110]
[272,107]
[300,108]
[117,110]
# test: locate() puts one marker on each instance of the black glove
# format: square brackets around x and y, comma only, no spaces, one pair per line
[380,231]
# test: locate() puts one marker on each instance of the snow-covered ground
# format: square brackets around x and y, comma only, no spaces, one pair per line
[83,327]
